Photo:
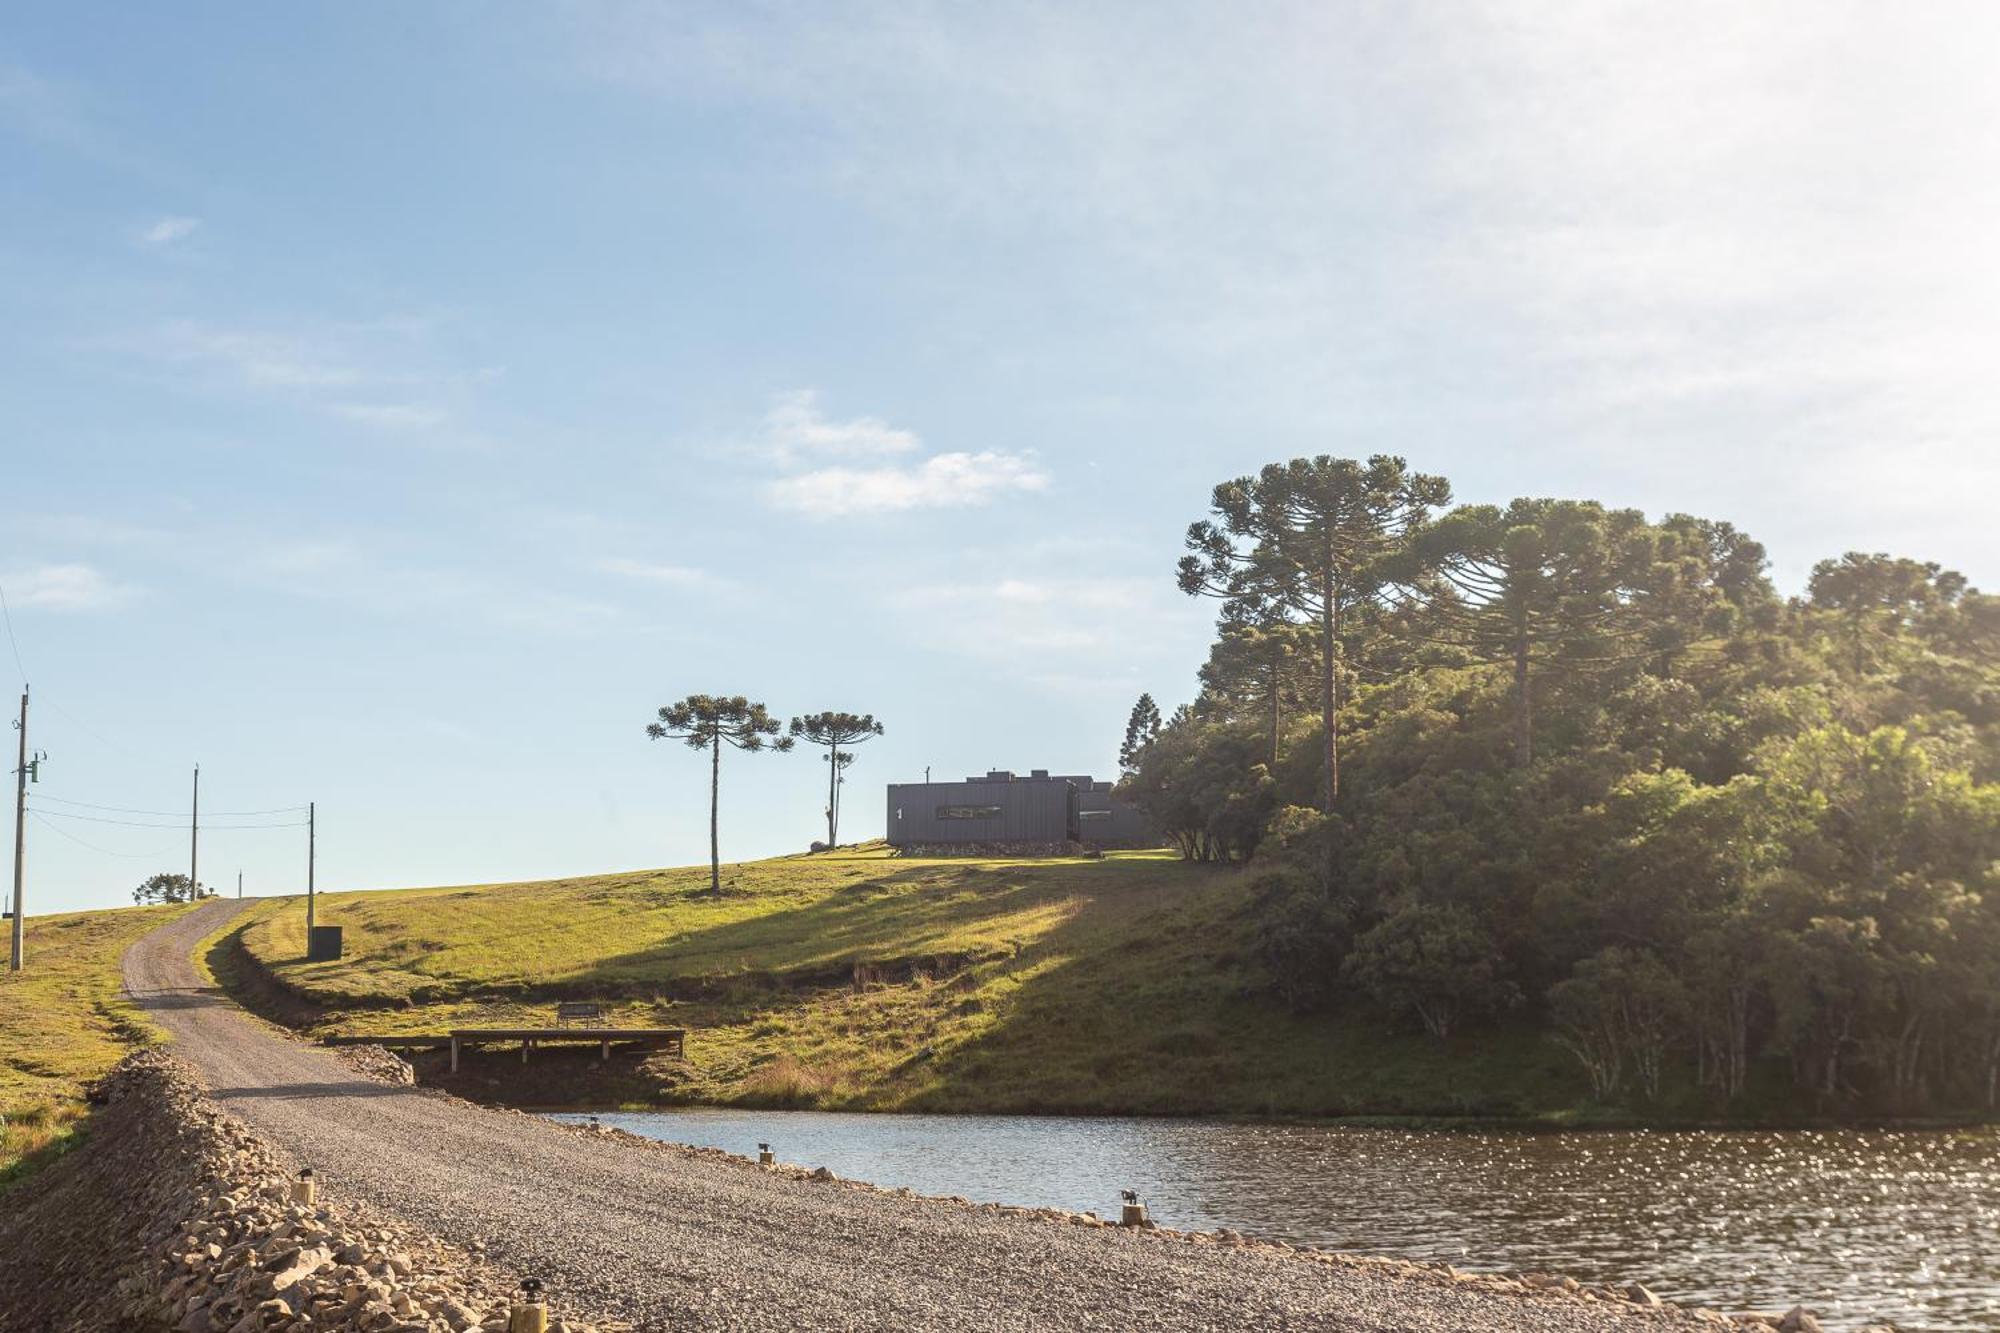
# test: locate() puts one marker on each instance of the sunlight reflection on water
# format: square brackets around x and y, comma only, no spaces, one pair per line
[1863,1226]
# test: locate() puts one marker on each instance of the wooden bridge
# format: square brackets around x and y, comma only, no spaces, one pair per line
[673,1040]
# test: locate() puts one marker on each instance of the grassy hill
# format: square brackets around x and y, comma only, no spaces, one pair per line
[859,980]
[64,1021]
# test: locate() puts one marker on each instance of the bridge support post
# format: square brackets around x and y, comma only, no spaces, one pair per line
[454,1052]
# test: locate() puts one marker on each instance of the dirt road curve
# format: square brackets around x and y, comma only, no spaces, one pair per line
[671,1243]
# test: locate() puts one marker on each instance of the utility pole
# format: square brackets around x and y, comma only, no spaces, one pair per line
[19,953]
[194,836]
[312,855]
[239,884]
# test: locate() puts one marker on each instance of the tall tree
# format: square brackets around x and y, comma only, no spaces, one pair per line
[841,761]
[837,732]
[1532,585]
[169,887]
[1309,538]
[1876,598]
[709,722]
[1142,728]
[1261,663]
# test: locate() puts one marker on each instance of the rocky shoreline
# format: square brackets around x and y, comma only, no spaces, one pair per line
[381,1063]
[215,1241]
[240,1253]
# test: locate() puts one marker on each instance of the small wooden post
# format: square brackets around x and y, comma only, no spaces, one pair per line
[604,1051]
[526,1042]
[454,1052]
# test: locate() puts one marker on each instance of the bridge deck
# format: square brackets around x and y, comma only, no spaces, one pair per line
[670,1039]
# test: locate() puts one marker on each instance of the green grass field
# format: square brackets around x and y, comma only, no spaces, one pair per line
[859,980]
[63,1022]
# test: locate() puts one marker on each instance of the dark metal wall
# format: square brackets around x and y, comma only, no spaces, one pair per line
[1106,821]
[1038,810]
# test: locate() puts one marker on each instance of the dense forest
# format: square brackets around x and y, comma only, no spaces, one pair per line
[1559,763]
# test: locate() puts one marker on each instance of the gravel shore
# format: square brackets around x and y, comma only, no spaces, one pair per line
[670,1239]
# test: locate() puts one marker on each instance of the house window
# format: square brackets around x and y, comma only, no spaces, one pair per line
[1093,814]
[968,812]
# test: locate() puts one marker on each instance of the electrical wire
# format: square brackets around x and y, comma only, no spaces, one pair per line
[184,822]
[135,856]
[150,762]
[172,814]
[7,614]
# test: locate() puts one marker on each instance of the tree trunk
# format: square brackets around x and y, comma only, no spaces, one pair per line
[1524,721]
[1277,685]
[832,782]
[1329,686]
[714,802]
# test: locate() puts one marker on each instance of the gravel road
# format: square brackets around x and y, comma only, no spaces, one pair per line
[672,1241]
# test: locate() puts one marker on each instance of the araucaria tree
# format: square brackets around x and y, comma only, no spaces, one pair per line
[168,887]
[1536,586]
[1309,539]
[1142,728]
[708,722]
[838,732]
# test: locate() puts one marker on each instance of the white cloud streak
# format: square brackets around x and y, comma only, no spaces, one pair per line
[63,587]
[376,375]
[796,429]
[942,481]
[1672,251]
[798,434]
[168,230]
[644,571]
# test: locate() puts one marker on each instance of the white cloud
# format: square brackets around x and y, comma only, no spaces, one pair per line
[255,357]
[677,575]
[1662,252]
[307,559]
[169,230]
[66,587]
[798,435]
[380,374]
[390,416]
[941,481]
[795,429]
[1089,631]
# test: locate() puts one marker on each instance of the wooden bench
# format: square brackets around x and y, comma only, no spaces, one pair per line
[578,1011]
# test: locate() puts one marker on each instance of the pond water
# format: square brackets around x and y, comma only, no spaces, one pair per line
[1864,1226]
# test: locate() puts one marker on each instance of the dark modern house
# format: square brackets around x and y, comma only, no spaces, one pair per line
[1040,812]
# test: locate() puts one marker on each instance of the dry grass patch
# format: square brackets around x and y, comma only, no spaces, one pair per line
[64,1021]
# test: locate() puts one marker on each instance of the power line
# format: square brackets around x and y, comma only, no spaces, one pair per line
[173,814]
[7,614]
[149,761]
[134,823]
[57,828]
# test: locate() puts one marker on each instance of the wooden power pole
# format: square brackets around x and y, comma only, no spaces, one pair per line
[18,955]
[194,837]
[312,855]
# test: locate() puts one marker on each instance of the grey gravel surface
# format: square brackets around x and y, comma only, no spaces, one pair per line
[679,1241]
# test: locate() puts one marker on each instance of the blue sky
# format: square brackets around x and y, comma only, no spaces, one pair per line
[399,403]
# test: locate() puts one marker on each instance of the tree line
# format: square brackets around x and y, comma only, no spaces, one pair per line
[709,722]
[1558,761]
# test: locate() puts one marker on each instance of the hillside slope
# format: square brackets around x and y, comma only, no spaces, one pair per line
[857,980]
[64,1021]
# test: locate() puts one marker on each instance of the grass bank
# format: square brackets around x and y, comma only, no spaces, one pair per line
[861,981]
[64,1021]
